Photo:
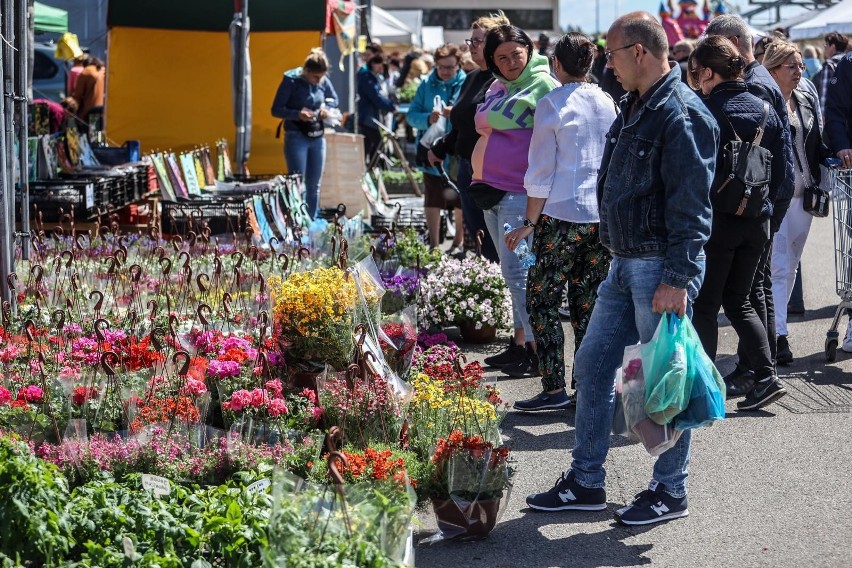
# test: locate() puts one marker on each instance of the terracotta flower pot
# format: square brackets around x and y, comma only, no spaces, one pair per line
[462,519]
[485,334]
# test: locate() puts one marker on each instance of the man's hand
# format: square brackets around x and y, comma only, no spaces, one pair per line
[433,118]
[306,115]
[433,159]
[668,299]
[845,157]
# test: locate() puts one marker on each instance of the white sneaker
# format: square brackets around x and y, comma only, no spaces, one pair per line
[847,341]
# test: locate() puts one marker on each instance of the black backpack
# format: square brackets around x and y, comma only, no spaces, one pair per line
[742,185]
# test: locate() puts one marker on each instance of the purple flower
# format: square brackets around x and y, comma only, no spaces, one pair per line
[223,369]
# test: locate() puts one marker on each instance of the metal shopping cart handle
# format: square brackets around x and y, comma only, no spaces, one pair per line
[447,181]
[833,162]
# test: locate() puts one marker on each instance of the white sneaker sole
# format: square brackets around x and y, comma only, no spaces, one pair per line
[599,507]
[660,519]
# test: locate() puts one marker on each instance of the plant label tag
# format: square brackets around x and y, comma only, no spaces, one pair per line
[157,485]
[258,486]
[129,549]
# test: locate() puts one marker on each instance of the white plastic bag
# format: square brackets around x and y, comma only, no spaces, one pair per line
[439,128]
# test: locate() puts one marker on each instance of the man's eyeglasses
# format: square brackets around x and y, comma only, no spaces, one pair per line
[794,66]
[474,42]
[608,53]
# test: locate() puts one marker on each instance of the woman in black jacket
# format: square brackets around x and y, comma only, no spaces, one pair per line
[736,243]
[462,138]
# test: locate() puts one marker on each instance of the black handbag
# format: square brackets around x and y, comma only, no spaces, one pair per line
[484,196]
[815,201]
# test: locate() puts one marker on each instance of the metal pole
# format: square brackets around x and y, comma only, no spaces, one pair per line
[7,189]
[244,86]
[22,71]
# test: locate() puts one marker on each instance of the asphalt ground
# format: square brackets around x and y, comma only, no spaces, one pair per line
[766,488]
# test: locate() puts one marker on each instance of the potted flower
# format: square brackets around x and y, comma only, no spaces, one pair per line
[470,293]
[313,317]
[470,480]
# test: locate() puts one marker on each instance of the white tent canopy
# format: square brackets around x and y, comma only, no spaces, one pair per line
[388,29]
[838,18]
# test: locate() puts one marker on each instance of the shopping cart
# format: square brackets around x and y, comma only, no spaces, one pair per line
[841,184]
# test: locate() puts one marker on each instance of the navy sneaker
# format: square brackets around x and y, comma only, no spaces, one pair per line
[544,401]
[765,392]
[653,505]
[568,495]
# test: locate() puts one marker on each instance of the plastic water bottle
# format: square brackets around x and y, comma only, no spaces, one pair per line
[525,256]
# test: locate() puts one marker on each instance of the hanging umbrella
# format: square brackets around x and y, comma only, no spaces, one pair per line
[239,34]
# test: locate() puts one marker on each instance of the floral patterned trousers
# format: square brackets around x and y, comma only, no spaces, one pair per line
[565,252]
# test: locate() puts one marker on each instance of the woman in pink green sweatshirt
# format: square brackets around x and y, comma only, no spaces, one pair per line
[505,123]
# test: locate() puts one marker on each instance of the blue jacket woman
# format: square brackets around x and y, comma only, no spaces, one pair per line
[373,102]
[302,100]
[445,81]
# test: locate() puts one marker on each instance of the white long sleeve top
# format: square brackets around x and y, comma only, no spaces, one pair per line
[566,149]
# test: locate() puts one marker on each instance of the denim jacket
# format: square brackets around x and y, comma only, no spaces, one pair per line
[655,177]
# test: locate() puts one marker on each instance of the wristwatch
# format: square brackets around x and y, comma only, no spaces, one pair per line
[528,223]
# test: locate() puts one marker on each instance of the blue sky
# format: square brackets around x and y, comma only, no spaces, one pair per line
[582,12]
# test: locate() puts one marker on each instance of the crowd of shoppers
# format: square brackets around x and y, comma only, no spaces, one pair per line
[617,188]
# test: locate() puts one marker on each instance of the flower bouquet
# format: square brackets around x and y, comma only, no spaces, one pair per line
[313,317]
[469,485]
[470,293]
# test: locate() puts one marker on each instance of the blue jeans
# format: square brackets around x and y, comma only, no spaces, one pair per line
[622,317]
[473,217]
[511,209]
[306,156]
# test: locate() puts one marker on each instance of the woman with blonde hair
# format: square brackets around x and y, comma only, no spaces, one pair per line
[783,60]
[462,137]
[302,102]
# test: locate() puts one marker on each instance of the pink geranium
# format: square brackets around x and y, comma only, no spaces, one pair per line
[277,407]
[239,400]
[275,387]
[31,393]
[5,396]
[194,387]
[259,398]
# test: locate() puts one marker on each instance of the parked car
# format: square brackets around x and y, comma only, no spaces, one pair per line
[49,73]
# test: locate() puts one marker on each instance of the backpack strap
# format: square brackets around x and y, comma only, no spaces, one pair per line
[759,134]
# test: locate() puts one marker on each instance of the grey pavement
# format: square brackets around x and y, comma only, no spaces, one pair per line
[771,488]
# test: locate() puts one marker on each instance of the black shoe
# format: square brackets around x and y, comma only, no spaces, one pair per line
[544,401]
[764,392]
[568,495]
[738,382]
[525,368]
[797,310]
[653,505]
[783,356]
[512,354]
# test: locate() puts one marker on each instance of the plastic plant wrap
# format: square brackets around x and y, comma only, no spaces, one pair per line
[363,524]
[313,316]
[398,338]
[655,437]
[470,486]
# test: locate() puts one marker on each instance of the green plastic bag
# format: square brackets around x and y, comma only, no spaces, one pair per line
[668,384]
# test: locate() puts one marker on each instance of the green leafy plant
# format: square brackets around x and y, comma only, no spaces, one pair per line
[34,525]
[400,177]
